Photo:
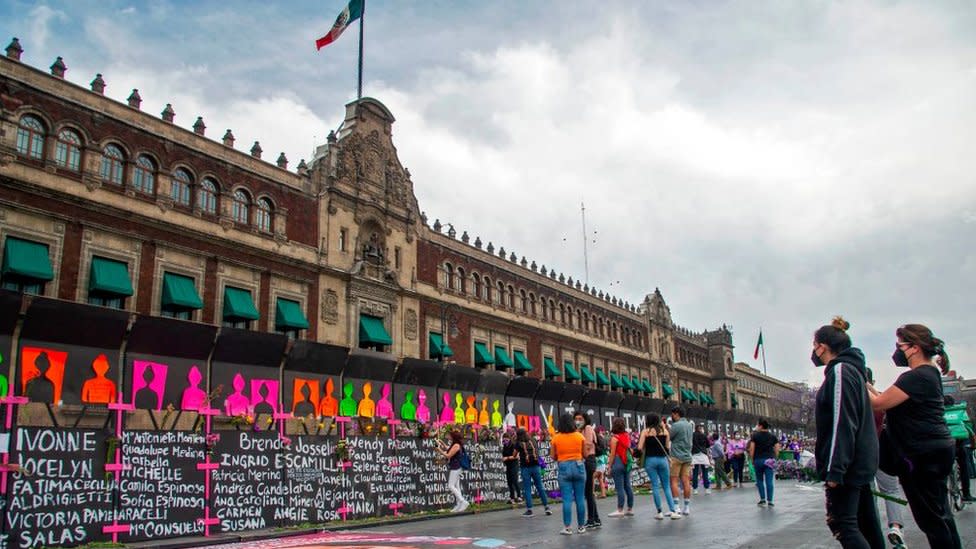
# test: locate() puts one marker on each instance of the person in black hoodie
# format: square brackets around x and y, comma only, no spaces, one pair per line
[847,441]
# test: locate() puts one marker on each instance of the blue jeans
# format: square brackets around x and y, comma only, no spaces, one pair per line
[660,474]
[704,475]
[532,475]
[764,479]
[621,483]
[572,480]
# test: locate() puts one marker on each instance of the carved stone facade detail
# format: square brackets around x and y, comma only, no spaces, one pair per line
[374,308]
[330,306]
[410,324]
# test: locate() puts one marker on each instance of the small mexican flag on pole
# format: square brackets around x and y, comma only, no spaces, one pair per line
[352,12]
[759,343]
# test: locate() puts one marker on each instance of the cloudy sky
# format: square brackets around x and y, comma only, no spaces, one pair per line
[766,164]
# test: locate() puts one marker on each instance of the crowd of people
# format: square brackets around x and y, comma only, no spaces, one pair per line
[896,441]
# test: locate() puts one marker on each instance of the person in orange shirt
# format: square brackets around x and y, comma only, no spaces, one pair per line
[567,450]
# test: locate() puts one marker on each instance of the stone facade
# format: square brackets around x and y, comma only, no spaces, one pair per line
[342,235]
[764,395]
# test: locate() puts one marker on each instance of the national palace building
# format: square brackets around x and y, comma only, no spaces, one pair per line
[111,204]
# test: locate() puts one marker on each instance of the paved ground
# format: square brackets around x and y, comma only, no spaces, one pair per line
[719,520]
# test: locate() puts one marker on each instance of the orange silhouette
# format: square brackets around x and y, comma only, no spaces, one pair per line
[471,415]
[328,405]
[51,377]
[483,415]
[99,389]
[367,408]
[303,400]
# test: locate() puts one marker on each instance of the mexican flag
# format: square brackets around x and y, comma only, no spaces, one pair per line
[352,12]
[759,343]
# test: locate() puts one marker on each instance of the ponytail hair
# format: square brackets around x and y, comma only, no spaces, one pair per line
[921,336]
[834,335]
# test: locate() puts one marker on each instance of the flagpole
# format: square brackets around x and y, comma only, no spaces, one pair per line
[359,89]
[764,355]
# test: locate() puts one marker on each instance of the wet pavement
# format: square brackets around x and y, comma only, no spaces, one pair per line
[719,520]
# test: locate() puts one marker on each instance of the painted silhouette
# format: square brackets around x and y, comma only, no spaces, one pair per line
[264,396]
[347,406]
[193,396]
[458,409]
[471,415]
[303,406]
[510,416]
[237,403]
[447,413]
[43,374]
[384,408]
[496,416]
[4,385]
[483,419]
[367,407]
[99,389]
[423,412]
[408,410]
[148,384]
[329,406]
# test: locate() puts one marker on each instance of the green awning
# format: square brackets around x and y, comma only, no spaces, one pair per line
[601,379]
[502,359]
[239,305]
[735,401]
[179,292]
[438,348]
[625,380]
[586,374]
[615,382]
[551,369]
[109,277]
[642,386]
[650,388]
[571,373]
[482,357]
[522,363]
[27,259]
[667,390]
[289,315]
[703,398]
[372,331]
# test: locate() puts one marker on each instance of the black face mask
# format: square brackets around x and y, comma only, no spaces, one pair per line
[899,358]
[817,361]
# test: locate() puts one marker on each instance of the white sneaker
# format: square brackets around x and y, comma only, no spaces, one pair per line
[629,513]
[566,531]
[708,491]
[686,511]
[896,537]
[675,515]
[464,505]
[616,514]
[696,491]
[659,516]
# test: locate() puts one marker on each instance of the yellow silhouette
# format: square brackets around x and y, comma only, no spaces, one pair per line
[459,409]
[367,408]
[496,416]
[471,416]
[483,415]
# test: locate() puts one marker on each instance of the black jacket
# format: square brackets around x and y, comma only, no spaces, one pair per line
[699,443]
[847,441]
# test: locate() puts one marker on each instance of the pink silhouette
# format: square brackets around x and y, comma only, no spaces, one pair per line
[264,396]
[193,395]
[447,413]
[237,403]
[384,408]
[149,377]
[423,412]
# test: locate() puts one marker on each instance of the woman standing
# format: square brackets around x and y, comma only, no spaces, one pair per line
[510,458]
[619,454]
[582,422]
[916,432]
[763,446]
[453,455]
[529,462]
[655,442]
[567,450]
[602,458]
[737,457]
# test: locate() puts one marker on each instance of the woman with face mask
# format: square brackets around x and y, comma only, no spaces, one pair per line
[582,423]
[916,434]
[847,441]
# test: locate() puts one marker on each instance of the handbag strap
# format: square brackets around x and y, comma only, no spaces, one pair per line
[663,449]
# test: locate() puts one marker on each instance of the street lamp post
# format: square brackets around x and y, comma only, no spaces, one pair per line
[449,318]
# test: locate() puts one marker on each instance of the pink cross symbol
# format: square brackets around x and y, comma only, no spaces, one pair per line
[113,467]
[344,510]
[10,401]
[394,463]
[346,464]
[478,498]
[393,423]
[342,420]
[115,529]
[208,466]
[396,508]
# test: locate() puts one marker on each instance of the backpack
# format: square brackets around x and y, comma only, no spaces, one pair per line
[601,444]
[465,459]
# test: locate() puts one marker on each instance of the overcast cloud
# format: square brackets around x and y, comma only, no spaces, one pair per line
[764,163]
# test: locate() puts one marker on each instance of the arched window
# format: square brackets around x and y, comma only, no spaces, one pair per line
[562,314]
[180,190]
[552,310]
[113,161]
[511,296]
[262,215]
[586,322]
[523,301]
[144,176]
[207,198]
[448,276]
[241,210]
[545,308]
[30,137]
[579,320]
[488,288]
[462,283]
[569,315]
[476,285]
[532,305]
[67,150]
[500,294]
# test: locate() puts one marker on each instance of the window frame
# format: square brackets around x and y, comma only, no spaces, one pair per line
[241,207]
[67,153]
[264,214]
[181,184]
[208,196]
[113,167]
[30,139]
[144,169]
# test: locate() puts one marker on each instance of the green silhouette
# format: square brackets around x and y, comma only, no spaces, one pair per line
[496,416]
[347,406]
[459,409]
[408,410]
[4,386]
